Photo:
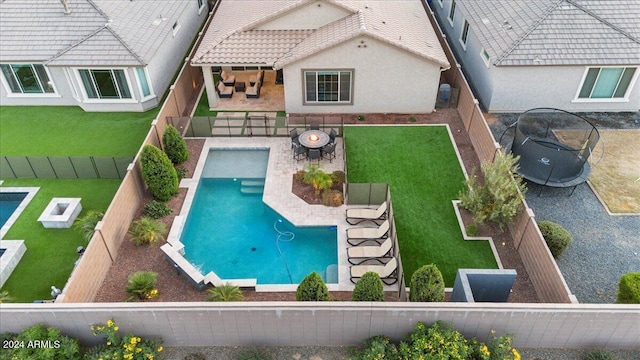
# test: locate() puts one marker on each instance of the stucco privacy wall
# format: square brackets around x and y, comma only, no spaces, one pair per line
[312,16]
[380,88]
[337,323]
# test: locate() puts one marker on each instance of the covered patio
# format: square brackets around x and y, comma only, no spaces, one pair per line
[271,93]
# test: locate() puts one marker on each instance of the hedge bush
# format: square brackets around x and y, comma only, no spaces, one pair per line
[427,285]
[368,288]
[312,288]
[174,146]
[557,238]
[158,173]
[629,289]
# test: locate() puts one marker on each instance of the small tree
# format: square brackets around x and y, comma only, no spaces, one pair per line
[175,146]
[158,173]
[368,288]
[142,285]
[557,238]
[427,285]
[87,224]
[629,289]
[498,200]
[147,231]
[226,292]
[312,288]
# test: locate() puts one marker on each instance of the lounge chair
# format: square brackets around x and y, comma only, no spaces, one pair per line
[253,79]
[359,254]
[358,215]
[227,79]
[356,236]
[224,91]
[253,92]
[388,272]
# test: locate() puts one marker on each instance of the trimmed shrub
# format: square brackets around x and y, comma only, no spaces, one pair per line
[174,146]
[66,348]
[557,238]
[147,231]
[339,178]
[600,354]
[368,288]
[427,285]
[312,288]
[332,198]
[225,292]
[156,210]
[435,342]
[158,173]
[142,285]
[629,289]
[87,224]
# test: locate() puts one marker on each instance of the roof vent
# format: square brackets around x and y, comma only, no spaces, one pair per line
[506,25]
[66,7]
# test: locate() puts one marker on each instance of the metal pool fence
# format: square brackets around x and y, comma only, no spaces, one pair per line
[64,167]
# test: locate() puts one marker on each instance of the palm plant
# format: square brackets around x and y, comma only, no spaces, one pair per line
[4,297]
[147,231]
[318,178]
[226,292]
[141,285]
[87,224]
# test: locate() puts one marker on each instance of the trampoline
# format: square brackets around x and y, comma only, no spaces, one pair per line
[554,147]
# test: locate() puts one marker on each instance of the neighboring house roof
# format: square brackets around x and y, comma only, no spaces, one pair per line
[232,38]
[556,32]
[95,32]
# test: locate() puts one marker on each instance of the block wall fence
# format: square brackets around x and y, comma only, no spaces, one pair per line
[558,323]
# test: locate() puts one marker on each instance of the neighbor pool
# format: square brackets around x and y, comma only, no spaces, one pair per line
[230,231]
[9,202]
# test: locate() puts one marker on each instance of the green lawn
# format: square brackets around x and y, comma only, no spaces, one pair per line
[51,253]
[70,131]
[420,164]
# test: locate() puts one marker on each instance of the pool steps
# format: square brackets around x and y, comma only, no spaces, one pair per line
[252,186]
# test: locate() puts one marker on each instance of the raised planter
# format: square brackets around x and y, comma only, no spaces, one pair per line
[11,252]
[60,213]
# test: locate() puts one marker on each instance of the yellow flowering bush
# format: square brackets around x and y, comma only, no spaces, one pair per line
[127,347]
[497,348]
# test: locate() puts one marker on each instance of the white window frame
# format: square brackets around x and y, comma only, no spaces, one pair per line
[10,93]
[338,102]
[486,59]
[152,93]
[464,34]
[175,28]
[441,3]
[452,12]
[625,98]
[201,5]
[88,100]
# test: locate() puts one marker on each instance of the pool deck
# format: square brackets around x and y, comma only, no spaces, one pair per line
[278,196]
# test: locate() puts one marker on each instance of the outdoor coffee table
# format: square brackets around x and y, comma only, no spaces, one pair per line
[240,86]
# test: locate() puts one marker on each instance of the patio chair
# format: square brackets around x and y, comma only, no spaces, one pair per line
[359,254]
[253,92]
[314,126]
[227,79]
[332,136]
[253,79]
[224,91]
[357,236]
[314,154]
[388,271]
[358,215]
[294,137]
[299,151]
[329,151]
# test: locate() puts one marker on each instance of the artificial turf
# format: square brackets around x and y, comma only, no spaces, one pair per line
[51,253]
[70,131]
[421,167]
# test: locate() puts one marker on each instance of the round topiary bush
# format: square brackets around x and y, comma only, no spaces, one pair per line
[558,239]
[158,173]
[629,289]
[312,288]
[427,285]
[368,288]
[174,145]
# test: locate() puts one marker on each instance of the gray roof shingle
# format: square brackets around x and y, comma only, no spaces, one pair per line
[557,32]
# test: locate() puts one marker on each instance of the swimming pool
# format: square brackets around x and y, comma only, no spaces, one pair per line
[230,231]
[9,202]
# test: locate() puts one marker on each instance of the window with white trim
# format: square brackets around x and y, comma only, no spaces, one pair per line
[485,56]
[200,5]
[464,34]
[452,11]
[331,86]
[27,78]
[145,88]
[606,82]
[105,83]
[441,3]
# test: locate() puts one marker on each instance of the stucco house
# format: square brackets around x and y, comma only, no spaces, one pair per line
[101,55]
[576,55]
[333,56]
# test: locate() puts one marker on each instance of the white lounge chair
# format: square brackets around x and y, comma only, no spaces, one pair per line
[358,235]
[388,272]
[362,253]
[358,215]
[227,79]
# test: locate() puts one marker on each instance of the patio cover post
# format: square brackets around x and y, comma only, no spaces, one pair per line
[212,95]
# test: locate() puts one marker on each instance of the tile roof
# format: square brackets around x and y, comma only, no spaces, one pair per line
[96,32]
[556,32]
[399,23]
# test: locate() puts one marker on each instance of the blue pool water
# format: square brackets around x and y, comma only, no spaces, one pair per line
[230,231]
[9,202]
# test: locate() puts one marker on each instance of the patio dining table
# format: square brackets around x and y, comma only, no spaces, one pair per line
[314,139]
